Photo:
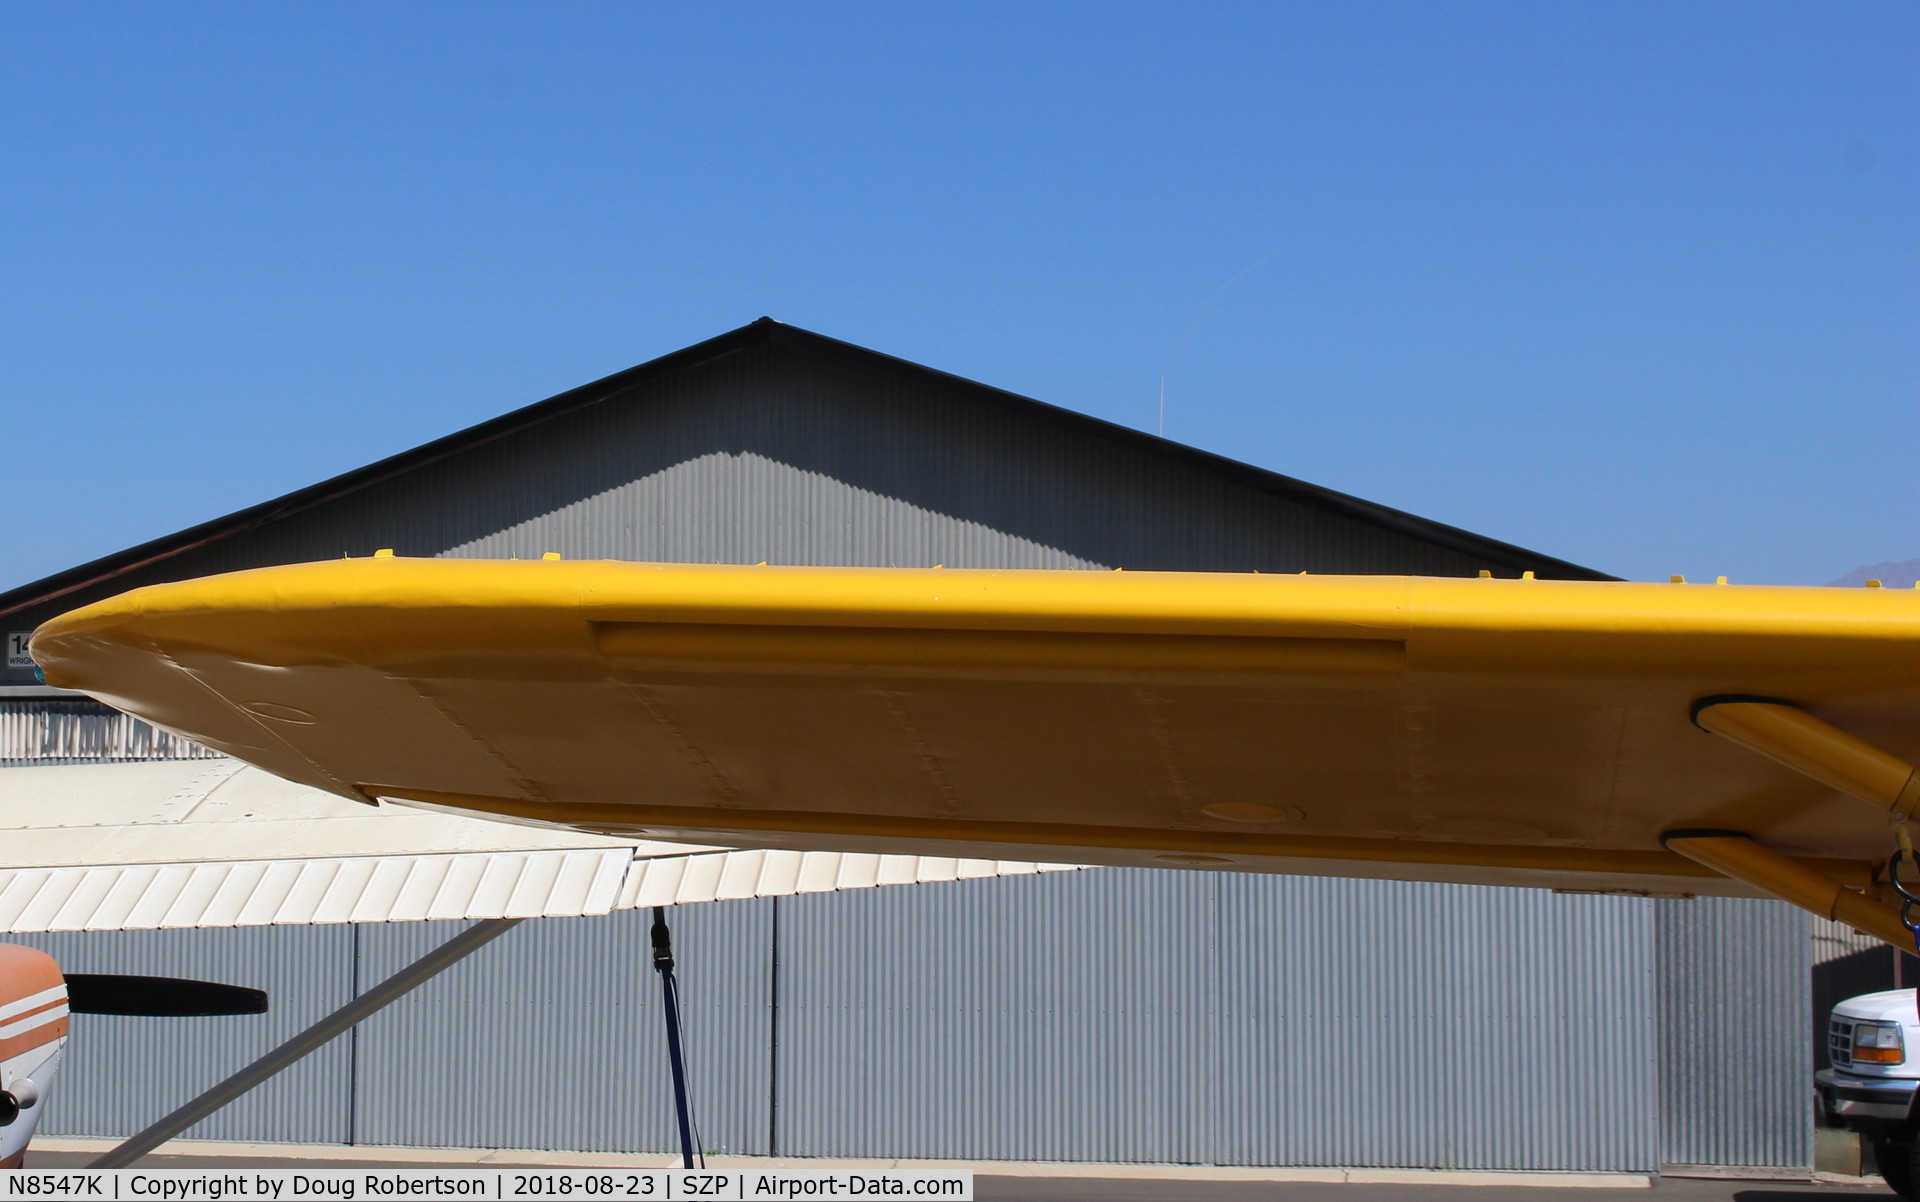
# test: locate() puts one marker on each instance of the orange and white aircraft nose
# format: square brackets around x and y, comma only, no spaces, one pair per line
[33,1030]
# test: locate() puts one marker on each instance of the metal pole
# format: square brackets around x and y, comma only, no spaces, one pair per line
[663,963]
[394,987]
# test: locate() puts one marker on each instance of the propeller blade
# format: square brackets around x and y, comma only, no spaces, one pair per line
[158,997]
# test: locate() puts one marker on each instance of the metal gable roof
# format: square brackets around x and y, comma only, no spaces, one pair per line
[761,333]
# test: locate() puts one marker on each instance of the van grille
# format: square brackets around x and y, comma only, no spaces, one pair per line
[1840,1043]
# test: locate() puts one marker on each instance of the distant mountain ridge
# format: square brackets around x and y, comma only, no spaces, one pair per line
[1893,575]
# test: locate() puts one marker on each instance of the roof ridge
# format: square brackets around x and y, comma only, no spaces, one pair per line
[766,331]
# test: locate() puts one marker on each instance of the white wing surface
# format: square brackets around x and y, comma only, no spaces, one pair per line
[216,843]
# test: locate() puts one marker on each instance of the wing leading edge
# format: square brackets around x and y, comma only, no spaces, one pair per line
[1492,731]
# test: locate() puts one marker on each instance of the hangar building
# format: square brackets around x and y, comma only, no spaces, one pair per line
[1106,1015]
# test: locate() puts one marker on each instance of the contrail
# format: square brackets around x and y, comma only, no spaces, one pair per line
[1162,430]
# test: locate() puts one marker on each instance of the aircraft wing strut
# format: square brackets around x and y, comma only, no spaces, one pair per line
[1787,734]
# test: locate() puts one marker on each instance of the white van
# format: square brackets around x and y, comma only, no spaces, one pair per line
[1873,1044]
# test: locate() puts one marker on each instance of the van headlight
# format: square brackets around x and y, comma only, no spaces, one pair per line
[1878,1043]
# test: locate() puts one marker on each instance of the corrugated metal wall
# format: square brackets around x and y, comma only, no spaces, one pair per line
[1735,1083]
[1258,1020]
[1068,1017]
[553,1036]
[1134,1015]
[1111,1015]
[119,1074]
[38,731]
[1373,1023]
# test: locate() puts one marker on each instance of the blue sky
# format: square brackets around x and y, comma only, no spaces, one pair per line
[1633,284]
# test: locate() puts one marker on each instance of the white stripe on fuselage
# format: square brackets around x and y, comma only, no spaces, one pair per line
[33,1002]
[9,1030]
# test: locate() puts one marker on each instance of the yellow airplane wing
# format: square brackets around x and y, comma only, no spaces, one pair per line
[1494,731]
